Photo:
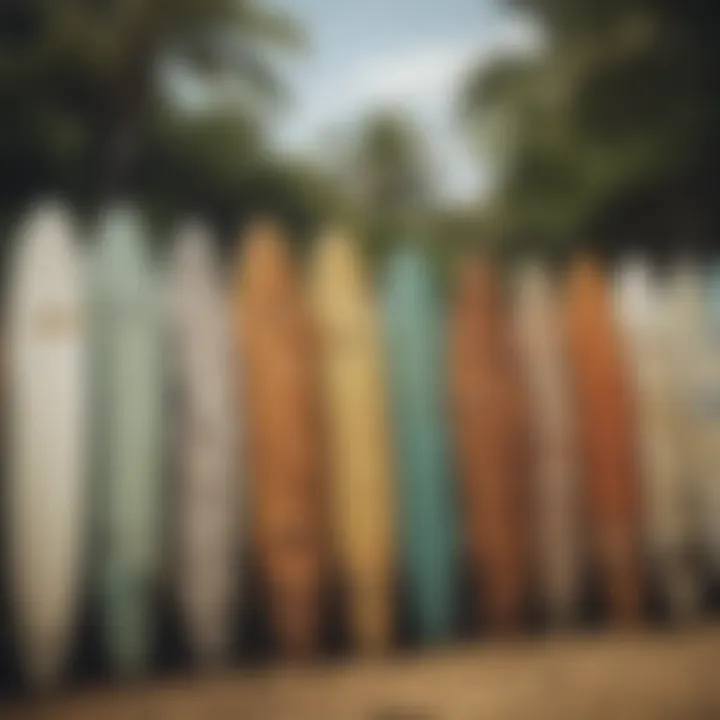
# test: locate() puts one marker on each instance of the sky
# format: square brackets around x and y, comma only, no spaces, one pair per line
[412,54]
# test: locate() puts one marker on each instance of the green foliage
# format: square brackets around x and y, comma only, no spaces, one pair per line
[92,102]
[389,182]
[611,134]
[395,175]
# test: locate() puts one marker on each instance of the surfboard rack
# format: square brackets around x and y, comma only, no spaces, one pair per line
[627,675]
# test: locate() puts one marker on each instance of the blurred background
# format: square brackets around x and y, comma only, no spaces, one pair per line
[535,126]
[527,124]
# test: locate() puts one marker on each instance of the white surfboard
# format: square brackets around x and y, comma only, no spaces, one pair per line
[554,467]
[648,327]
[46,424]
[206,491]
[697,344]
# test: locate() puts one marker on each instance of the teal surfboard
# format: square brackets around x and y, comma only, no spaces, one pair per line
[127,425]
[415,353]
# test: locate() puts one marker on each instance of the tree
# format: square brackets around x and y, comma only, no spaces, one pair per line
[394,172]
[86,86]
[387,178]
[614,128]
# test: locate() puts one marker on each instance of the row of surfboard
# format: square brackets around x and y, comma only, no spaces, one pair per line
[543,428]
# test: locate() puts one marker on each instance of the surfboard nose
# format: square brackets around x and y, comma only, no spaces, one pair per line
[194,246]
[265,266]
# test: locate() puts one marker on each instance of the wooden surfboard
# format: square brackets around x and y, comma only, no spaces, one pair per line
[553,464]
[206,484]
[45,516]
[357,441]
[281,415]
[607,439]
[128,414]
[644,316]
[489,423]
[414,340]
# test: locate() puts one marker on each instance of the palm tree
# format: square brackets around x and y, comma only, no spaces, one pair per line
[615,121]
[95,73]
[394,172]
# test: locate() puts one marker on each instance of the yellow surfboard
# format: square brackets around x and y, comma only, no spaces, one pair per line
[356,436]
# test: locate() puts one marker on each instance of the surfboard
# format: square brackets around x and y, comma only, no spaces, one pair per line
[687,354]
[5,623]
[46,426]
[207,487]
[707,425]
[644,316]
[489,432]
[414,343]
[607,436]
[554,478]
[272,328]
[128,398]
[357,442]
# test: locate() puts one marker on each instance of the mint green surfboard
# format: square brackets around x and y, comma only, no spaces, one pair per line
[128,441]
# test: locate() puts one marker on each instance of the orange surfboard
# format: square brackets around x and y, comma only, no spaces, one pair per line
[489,433]
[606,435]
[272,329]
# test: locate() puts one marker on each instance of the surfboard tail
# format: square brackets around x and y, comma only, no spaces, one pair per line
[505,600]
[296,623]
[44,653]
[128,634]
[208,614]
[370,610]
[619,573]
[680,585]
